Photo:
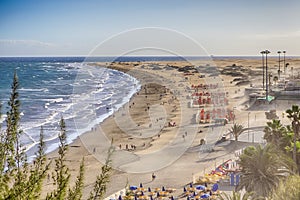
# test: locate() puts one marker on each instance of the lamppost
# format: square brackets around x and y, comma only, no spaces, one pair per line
[252,136]
[263,66]
[279,52]
[284,60]
[267,89]
[248,127]
[233,114]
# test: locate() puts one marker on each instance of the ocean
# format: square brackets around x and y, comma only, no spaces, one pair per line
[51,88]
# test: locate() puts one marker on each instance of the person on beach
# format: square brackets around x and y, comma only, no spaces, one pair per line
[153,176]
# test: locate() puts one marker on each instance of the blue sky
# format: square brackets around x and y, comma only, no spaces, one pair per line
[61,27]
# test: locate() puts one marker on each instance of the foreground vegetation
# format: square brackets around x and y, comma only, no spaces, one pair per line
[271,171]
[20,179]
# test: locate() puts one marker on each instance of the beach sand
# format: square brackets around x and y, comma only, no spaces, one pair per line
[144,141]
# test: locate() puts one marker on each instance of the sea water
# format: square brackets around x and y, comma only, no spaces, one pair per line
[51,88]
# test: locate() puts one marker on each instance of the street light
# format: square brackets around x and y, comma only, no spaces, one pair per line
[267,89]
[248,127]
[279,52]
[284,60]
[233,114]
[263,65]
[252,136]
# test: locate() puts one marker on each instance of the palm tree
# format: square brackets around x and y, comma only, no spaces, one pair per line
[262,169]
[236,196]
[289,189]
[294,115]
[236,130]
[276,133]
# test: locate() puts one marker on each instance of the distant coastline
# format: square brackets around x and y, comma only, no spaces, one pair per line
[124,58]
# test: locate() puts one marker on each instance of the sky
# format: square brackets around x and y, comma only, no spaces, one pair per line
[218,27]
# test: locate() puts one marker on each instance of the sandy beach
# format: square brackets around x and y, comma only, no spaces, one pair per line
[157,131]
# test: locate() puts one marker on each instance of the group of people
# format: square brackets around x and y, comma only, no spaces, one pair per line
[128,147]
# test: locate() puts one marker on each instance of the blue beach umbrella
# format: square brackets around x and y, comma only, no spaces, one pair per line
[133,187]
[200,187]
[205,196]
[215,187]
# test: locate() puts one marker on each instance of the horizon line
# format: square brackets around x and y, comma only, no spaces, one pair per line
[210,56]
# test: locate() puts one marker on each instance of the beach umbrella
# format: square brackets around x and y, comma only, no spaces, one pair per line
[141,185]
[200,187]
[215,187]
[205,196]
[133,187]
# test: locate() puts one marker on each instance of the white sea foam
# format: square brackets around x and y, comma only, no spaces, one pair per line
[34,89]
[57,100]
[2,118]
[91,92]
